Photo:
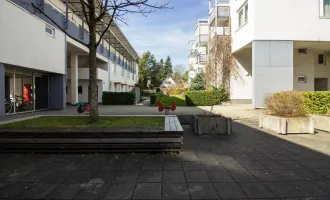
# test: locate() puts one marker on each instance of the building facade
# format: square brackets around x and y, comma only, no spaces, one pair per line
[198,50]
[278,45]
[41,67]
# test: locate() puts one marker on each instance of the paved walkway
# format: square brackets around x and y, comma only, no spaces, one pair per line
[246,165]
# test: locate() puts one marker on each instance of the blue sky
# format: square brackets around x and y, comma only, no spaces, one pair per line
[166,32]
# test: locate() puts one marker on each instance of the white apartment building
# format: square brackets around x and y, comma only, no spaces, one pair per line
[43,68]
[279,45]
[198,49]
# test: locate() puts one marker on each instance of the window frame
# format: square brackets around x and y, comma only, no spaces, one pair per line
[244,9]
[50,28]
[322,14]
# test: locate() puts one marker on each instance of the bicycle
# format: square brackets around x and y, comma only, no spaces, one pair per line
[8,106]
[21,103]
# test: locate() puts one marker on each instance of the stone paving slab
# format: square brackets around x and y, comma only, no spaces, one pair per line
[247,165]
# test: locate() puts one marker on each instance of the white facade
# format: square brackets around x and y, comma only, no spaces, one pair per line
[44,68]
[280,47]
[21,40]
[198,49]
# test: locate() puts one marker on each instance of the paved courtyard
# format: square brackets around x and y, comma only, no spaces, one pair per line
[245,165]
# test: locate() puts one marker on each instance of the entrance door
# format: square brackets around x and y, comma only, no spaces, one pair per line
[321,84]
[41,92]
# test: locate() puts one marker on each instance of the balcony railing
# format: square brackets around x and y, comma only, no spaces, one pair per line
[223,12]
[202,58]
[219,31]
[202,38]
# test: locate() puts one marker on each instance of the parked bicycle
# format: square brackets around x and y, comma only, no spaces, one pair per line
[20,104]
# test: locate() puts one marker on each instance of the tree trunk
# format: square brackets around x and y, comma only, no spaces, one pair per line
[92,94]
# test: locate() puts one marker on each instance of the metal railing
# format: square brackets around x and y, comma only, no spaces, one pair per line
[202,58]
[223,12]
[202,38]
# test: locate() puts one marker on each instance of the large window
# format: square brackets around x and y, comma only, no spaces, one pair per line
[243,15]
[25,91]
[325,8]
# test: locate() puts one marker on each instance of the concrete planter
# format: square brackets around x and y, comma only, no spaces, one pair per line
[284,125]
[211,125]
[321,122]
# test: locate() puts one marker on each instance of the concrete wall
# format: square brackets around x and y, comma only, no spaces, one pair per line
[241,83]
[83,97]
[303,66]
[25,43]
[290,20]
[245,34]
[279,20]
[272,69]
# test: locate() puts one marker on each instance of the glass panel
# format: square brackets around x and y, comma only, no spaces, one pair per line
[246,13]
[240,18]
[326,8]
[9,90]
[23,91]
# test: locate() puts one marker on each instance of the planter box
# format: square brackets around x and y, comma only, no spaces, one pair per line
[321,122]
[284,125]
[211,125]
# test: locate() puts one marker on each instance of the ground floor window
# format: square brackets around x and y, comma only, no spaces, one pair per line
[25,91]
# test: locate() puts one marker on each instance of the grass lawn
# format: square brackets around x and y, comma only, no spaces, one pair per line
[84,122]
[178,98]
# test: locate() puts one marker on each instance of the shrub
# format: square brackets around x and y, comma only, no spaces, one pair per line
[286,104]
[205,97]
[317,102]
[118,98]
[175,91]
[153,99]
[197,83]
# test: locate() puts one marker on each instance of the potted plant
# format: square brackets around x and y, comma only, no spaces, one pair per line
[211,123]
[286,113]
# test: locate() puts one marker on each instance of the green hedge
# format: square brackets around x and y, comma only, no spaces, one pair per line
[317,102]
[153,99]
[118,98]
[205,97]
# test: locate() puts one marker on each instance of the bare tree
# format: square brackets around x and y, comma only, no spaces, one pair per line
[221,67]
[104,12]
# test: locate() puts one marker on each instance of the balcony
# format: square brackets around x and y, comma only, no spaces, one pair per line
[202,59]
[222,14]
[202,39]
[219,31]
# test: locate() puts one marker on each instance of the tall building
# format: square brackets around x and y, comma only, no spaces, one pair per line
[43,68]
[278,45]
[198,50]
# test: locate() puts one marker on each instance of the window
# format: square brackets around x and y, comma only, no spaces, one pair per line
[127,74]
[321,59]
[325,8]
[79,89]
[49,31]
[133,77]
[246,15]
[243,15]
[114,68]
[122,71]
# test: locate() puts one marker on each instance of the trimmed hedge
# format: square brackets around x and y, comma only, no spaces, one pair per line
[317,102]
[118,98]
[153,99]
[205,97]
